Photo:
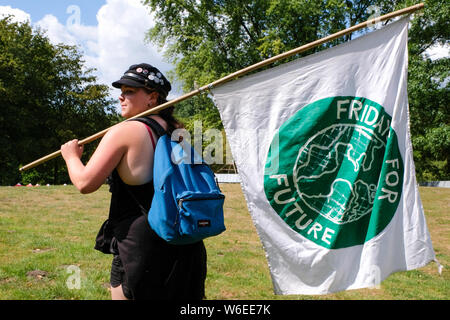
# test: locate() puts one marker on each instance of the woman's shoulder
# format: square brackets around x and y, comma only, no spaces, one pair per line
[124,133]
[122,127]
[131,128]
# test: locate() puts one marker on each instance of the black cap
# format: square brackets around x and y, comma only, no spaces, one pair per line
[144,76]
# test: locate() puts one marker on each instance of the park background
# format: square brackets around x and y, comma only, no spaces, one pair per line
[57,60]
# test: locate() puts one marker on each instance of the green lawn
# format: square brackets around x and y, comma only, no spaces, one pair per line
[47,237]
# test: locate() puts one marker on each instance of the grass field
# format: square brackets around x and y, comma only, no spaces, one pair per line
[47,237]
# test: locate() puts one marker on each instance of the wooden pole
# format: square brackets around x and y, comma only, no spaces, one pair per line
[241,73]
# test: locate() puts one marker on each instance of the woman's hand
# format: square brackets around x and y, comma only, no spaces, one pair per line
[71,149]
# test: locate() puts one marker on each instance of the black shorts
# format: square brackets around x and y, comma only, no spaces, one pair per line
[148,267]
[118,276]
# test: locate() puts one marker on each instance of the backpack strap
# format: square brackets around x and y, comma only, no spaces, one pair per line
[152,123]
[159,130]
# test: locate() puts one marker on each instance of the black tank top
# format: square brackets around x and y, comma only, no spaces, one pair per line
[127,203]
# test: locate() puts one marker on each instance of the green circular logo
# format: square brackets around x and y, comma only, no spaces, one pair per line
[334,172]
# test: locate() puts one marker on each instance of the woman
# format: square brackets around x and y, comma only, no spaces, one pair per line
[144,266]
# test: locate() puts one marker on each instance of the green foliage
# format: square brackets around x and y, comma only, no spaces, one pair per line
[202,121]
[198,108]
[428,88]
[209,39]
[47,99]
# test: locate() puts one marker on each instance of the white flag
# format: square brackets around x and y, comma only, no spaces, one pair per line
[323,149]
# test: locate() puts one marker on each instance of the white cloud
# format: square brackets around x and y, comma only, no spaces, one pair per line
[84,37]
[121,32]
[75,34]
[115,43]
[19,15]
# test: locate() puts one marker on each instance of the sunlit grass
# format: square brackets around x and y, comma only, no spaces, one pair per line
[47,231]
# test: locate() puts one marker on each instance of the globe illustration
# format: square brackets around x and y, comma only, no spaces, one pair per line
[336,172]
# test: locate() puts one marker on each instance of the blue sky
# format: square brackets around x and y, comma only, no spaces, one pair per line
[58,8]
[109,33]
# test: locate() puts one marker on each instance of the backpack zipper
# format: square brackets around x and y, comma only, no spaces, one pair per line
[180,201]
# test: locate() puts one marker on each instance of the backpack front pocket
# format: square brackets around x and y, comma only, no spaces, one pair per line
[200,215]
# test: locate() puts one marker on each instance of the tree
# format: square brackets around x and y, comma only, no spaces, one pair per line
[208,39]
[47,99]
[428,87]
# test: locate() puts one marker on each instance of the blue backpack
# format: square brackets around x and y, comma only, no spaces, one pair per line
[187,204]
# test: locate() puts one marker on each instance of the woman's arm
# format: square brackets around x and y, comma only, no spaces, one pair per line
[106,157]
